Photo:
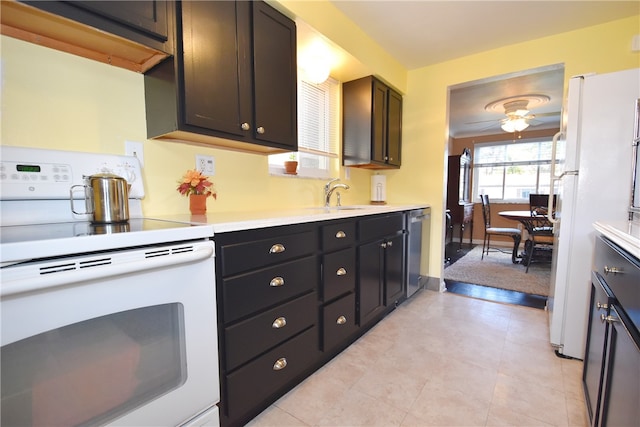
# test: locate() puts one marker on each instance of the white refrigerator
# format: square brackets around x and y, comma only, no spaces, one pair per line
[593,183]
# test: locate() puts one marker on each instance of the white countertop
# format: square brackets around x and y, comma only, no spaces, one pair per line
[246,220]
[625,234]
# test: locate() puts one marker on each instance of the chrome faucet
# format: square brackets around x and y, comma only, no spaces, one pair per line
[328,191]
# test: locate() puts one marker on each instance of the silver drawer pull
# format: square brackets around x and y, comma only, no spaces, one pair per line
[341,272]
[276,249]
[612,270]
[280,364]
[245,126]
[280,322]
[602,306]
[608,319]
[341,235]
[341,320]
[276,282]
[389,244]
[260,130]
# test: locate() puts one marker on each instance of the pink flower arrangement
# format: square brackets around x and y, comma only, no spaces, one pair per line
[193,182]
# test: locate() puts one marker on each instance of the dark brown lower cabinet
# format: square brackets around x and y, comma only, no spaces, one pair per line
[611,375]
[292,297]
[381,266]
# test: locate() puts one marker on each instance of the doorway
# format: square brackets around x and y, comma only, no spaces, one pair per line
[478,111]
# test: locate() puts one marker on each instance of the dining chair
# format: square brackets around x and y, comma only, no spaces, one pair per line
[540,233]
[489,231]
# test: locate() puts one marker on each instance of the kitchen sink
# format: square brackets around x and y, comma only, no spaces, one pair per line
[340,208]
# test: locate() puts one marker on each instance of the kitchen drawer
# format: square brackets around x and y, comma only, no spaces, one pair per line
[338,273]
[622,274]
[337,236]
[339,321]
[380,226]
[247,339]
[257,381]
[252,292]
[245,256]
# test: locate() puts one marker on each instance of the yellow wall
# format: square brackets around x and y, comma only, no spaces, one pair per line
[56,100]
[602,48]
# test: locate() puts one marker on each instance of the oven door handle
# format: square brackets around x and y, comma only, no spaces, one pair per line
[48,281]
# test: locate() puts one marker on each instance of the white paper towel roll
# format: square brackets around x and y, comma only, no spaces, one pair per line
[378,188]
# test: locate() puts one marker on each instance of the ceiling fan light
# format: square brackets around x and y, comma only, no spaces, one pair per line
[514,125]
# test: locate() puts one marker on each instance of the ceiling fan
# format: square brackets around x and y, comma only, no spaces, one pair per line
[517,112]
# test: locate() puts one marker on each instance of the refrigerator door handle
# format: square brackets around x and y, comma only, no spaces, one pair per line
[554,178]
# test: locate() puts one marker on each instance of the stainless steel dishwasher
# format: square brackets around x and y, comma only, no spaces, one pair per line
[415,223]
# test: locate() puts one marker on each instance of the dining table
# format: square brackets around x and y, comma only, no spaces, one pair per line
[532,223]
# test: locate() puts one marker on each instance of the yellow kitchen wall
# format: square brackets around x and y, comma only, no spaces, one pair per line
[601,49]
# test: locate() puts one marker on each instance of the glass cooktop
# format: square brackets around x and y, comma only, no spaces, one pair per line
[65,230]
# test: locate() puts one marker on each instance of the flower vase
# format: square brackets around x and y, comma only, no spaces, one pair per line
[198,204]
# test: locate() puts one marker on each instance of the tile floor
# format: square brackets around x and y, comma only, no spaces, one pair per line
[442,359]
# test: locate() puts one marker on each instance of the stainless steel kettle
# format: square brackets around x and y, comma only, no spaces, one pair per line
[106,198]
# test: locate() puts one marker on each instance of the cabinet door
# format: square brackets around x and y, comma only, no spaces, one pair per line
[394,128]
[621,398]
[595,350]
[379,140]
[275,77]
[394,270]
[145,22]
[216,95]
[370,286]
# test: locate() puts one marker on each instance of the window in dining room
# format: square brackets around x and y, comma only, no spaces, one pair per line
[509,172]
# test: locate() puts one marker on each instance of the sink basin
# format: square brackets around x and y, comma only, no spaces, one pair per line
[349,208]
[339,208]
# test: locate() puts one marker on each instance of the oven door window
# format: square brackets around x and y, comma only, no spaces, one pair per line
[94,371]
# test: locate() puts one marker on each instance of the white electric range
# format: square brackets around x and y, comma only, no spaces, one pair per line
[101,323]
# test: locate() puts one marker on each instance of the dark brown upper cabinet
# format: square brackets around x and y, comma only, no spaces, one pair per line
[232,83]
[372,124]
[135,35]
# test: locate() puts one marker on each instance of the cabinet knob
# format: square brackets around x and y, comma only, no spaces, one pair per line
[602,306]
[612,270]
[383,245]
[341,272]
[276,282]
[386,158]
[341,235]
[280,322]
[609,319]
[389,244]
[280,364]
[341,320]
[277,248]
[245,126]
[260,130]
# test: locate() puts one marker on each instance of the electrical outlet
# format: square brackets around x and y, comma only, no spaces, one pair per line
[136,149]
[206,164]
